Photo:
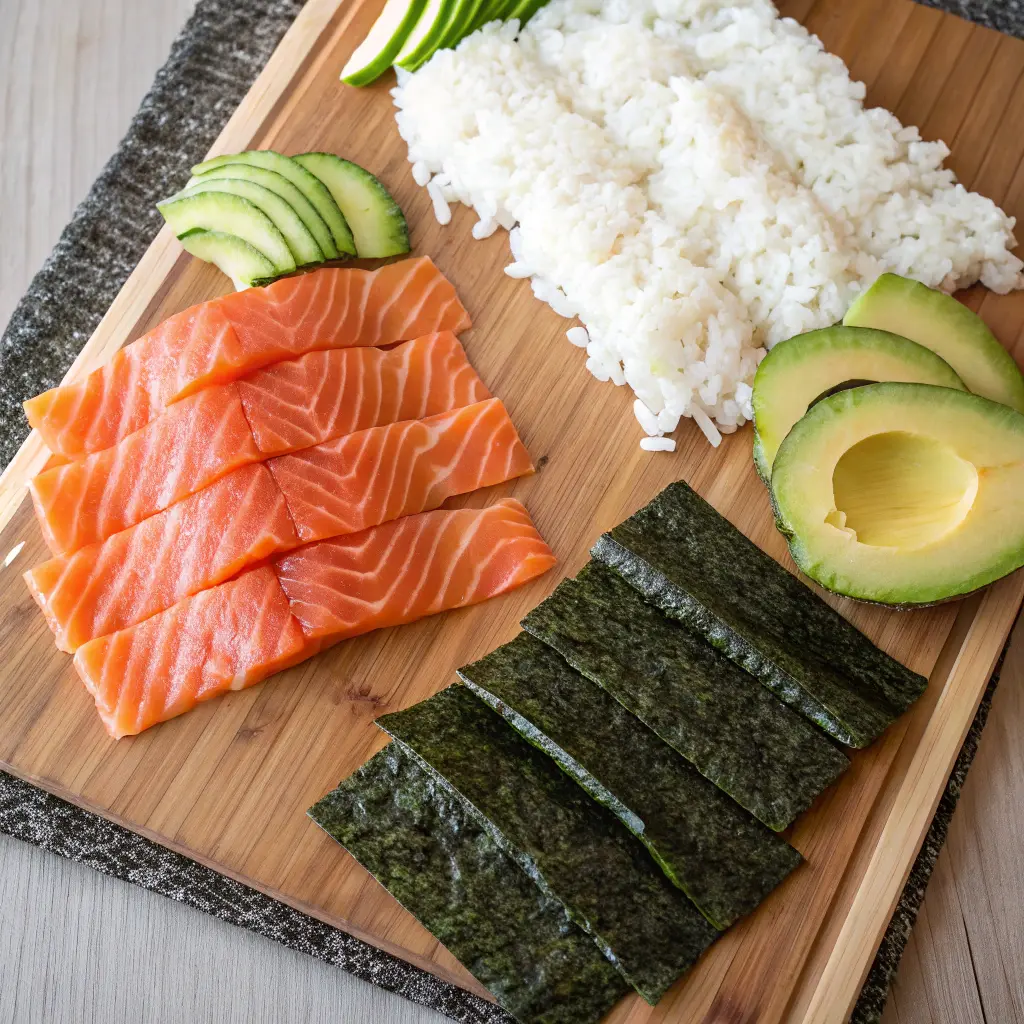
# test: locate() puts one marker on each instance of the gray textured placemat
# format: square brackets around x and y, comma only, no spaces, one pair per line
[211,66]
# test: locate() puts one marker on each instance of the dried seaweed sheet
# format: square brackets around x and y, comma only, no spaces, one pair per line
[765,756]
[723,859]
[574,848]
[699,569]
[424,845]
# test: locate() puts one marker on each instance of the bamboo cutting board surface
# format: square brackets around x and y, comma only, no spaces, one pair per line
[229,783]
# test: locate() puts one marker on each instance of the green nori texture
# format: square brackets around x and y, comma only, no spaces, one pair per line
[425,846]
[575,849]
[699,569]
[723,859]
[766,757]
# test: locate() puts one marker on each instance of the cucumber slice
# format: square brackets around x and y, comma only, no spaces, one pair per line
[425,38]
[243,263]
[526,10]
[492,10]
[286,220]
[229,215]
[478,9]
[309,185]
[458,27]
[377,52]
[378,224]
[288,191]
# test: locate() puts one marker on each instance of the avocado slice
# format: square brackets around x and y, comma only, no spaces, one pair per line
[230,215]
[296,234]
[797,372]
[426,37]
[377,223]
[383,43]
[243,263]
[287,190]
[948,327]
[903,494]
[308,184]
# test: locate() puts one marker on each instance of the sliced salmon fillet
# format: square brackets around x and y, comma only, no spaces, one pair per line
[303,402]
[225,638]
[373,476]
[410,568]
[226,338]
[191,445]
[197,543]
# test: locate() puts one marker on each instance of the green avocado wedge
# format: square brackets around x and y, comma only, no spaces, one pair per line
[797,372]
[242,262]
[577,851]
[948,328]
[700,570]
[384,42]
[424,845]
[425,39]
[903,494]
[308,184]
[376,221]
[723,859]
[301,243]
[722,720]
[229,214]
[286,189]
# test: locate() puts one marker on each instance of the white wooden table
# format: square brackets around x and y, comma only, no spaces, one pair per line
[76,946]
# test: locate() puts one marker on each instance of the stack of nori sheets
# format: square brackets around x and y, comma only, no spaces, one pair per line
[587,791]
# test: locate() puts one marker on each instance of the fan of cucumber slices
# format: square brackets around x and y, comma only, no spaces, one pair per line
[260,215]
[409,32]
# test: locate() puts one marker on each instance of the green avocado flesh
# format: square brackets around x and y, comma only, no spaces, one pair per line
[424,845]
[734,732]
[577,851]
[229,215]
[723,859]
[308,184]
[245,265]
[903,493]
[286,189]
[797,372]
[698,569]
[948,328]
[377,223]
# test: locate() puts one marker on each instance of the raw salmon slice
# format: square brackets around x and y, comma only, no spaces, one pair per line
[373,476]
[303,402]
[225,638]
[195,544]
[222,340]
[191,445]
[410,568]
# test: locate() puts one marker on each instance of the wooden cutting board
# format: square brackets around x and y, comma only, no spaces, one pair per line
[229,783]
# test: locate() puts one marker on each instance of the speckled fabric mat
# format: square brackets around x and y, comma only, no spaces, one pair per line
[213,62]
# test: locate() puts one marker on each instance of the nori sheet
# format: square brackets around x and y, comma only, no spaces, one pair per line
[424,845]
[574,848]
[712,849]
[699,569]
[722,720]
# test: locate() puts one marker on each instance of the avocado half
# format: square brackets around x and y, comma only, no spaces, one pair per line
[948,328]
[903,494]
[797,372]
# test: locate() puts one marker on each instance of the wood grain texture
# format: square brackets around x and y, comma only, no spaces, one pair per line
[229,782]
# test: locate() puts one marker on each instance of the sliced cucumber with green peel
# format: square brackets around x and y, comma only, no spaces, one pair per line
[378,224]
[383,43]
[243,263]
[458,27]
[287,190]
[308,184]
[302,244]
[230,215]
[526,10]
[492,10]
[426,37]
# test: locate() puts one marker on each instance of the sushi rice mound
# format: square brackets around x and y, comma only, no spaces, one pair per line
[695,180]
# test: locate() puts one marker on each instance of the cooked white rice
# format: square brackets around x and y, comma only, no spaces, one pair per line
[694,180]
